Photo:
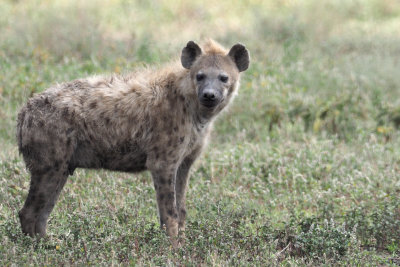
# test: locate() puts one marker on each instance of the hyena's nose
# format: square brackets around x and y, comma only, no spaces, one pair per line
[209,95]
[209,98]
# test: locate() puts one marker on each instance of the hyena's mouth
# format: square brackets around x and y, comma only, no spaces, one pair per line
[209,104]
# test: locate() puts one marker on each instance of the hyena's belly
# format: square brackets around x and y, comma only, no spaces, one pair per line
[124,158]
[130,162]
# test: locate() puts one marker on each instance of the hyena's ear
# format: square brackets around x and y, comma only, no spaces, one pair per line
[240,56]
[189,54]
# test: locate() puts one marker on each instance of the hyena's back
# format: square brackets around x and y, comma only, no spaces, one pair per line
[76,125]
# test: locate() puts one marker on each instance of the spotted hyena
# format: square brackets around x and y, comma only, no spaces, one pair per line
[156,120]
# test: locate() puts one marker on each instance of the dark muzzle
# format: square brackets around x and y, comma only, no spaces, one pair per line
[210,98]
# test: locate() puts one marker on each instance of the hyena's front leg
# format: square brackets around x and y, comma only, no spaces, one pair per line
[180,188]
[164,184]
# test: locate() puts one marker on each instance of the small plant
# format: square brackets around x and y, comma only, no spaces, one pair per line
[324,240]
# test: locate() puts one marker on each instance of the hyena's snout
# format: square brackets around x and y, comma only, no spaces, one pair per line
[210,97]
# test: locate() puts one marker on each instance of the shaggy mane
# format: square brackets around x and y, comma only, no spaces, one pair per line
[212,47]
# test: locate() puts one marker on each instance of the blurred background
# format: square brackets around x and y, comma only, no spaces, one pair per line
[311,139]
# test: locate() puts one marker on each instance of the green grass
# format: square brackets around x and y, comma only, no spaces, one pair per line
[303,169]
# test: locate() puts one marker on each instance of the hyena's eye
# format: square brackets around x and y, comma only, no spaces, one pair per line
[223,78]
[200,77]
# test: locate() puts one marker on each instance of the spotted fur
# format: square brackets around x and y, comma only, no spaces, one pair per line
[148,120]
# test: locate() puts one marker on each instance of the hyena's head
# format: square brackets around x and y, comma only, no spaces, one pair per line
[214,72]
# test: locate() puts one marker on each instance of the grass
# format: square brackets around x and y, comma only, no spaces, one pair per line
[303,169]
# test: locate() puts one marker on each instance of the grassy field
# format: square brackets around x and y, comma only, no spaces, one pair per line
[303,169]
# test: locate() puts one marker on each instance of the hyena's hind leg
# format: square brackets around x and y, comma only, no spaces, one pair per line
[47,143]
[45,188]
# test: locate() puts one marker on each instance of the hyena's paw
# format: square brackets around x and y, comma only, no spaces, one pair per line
[40,226]
[28,223]
[32,225]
